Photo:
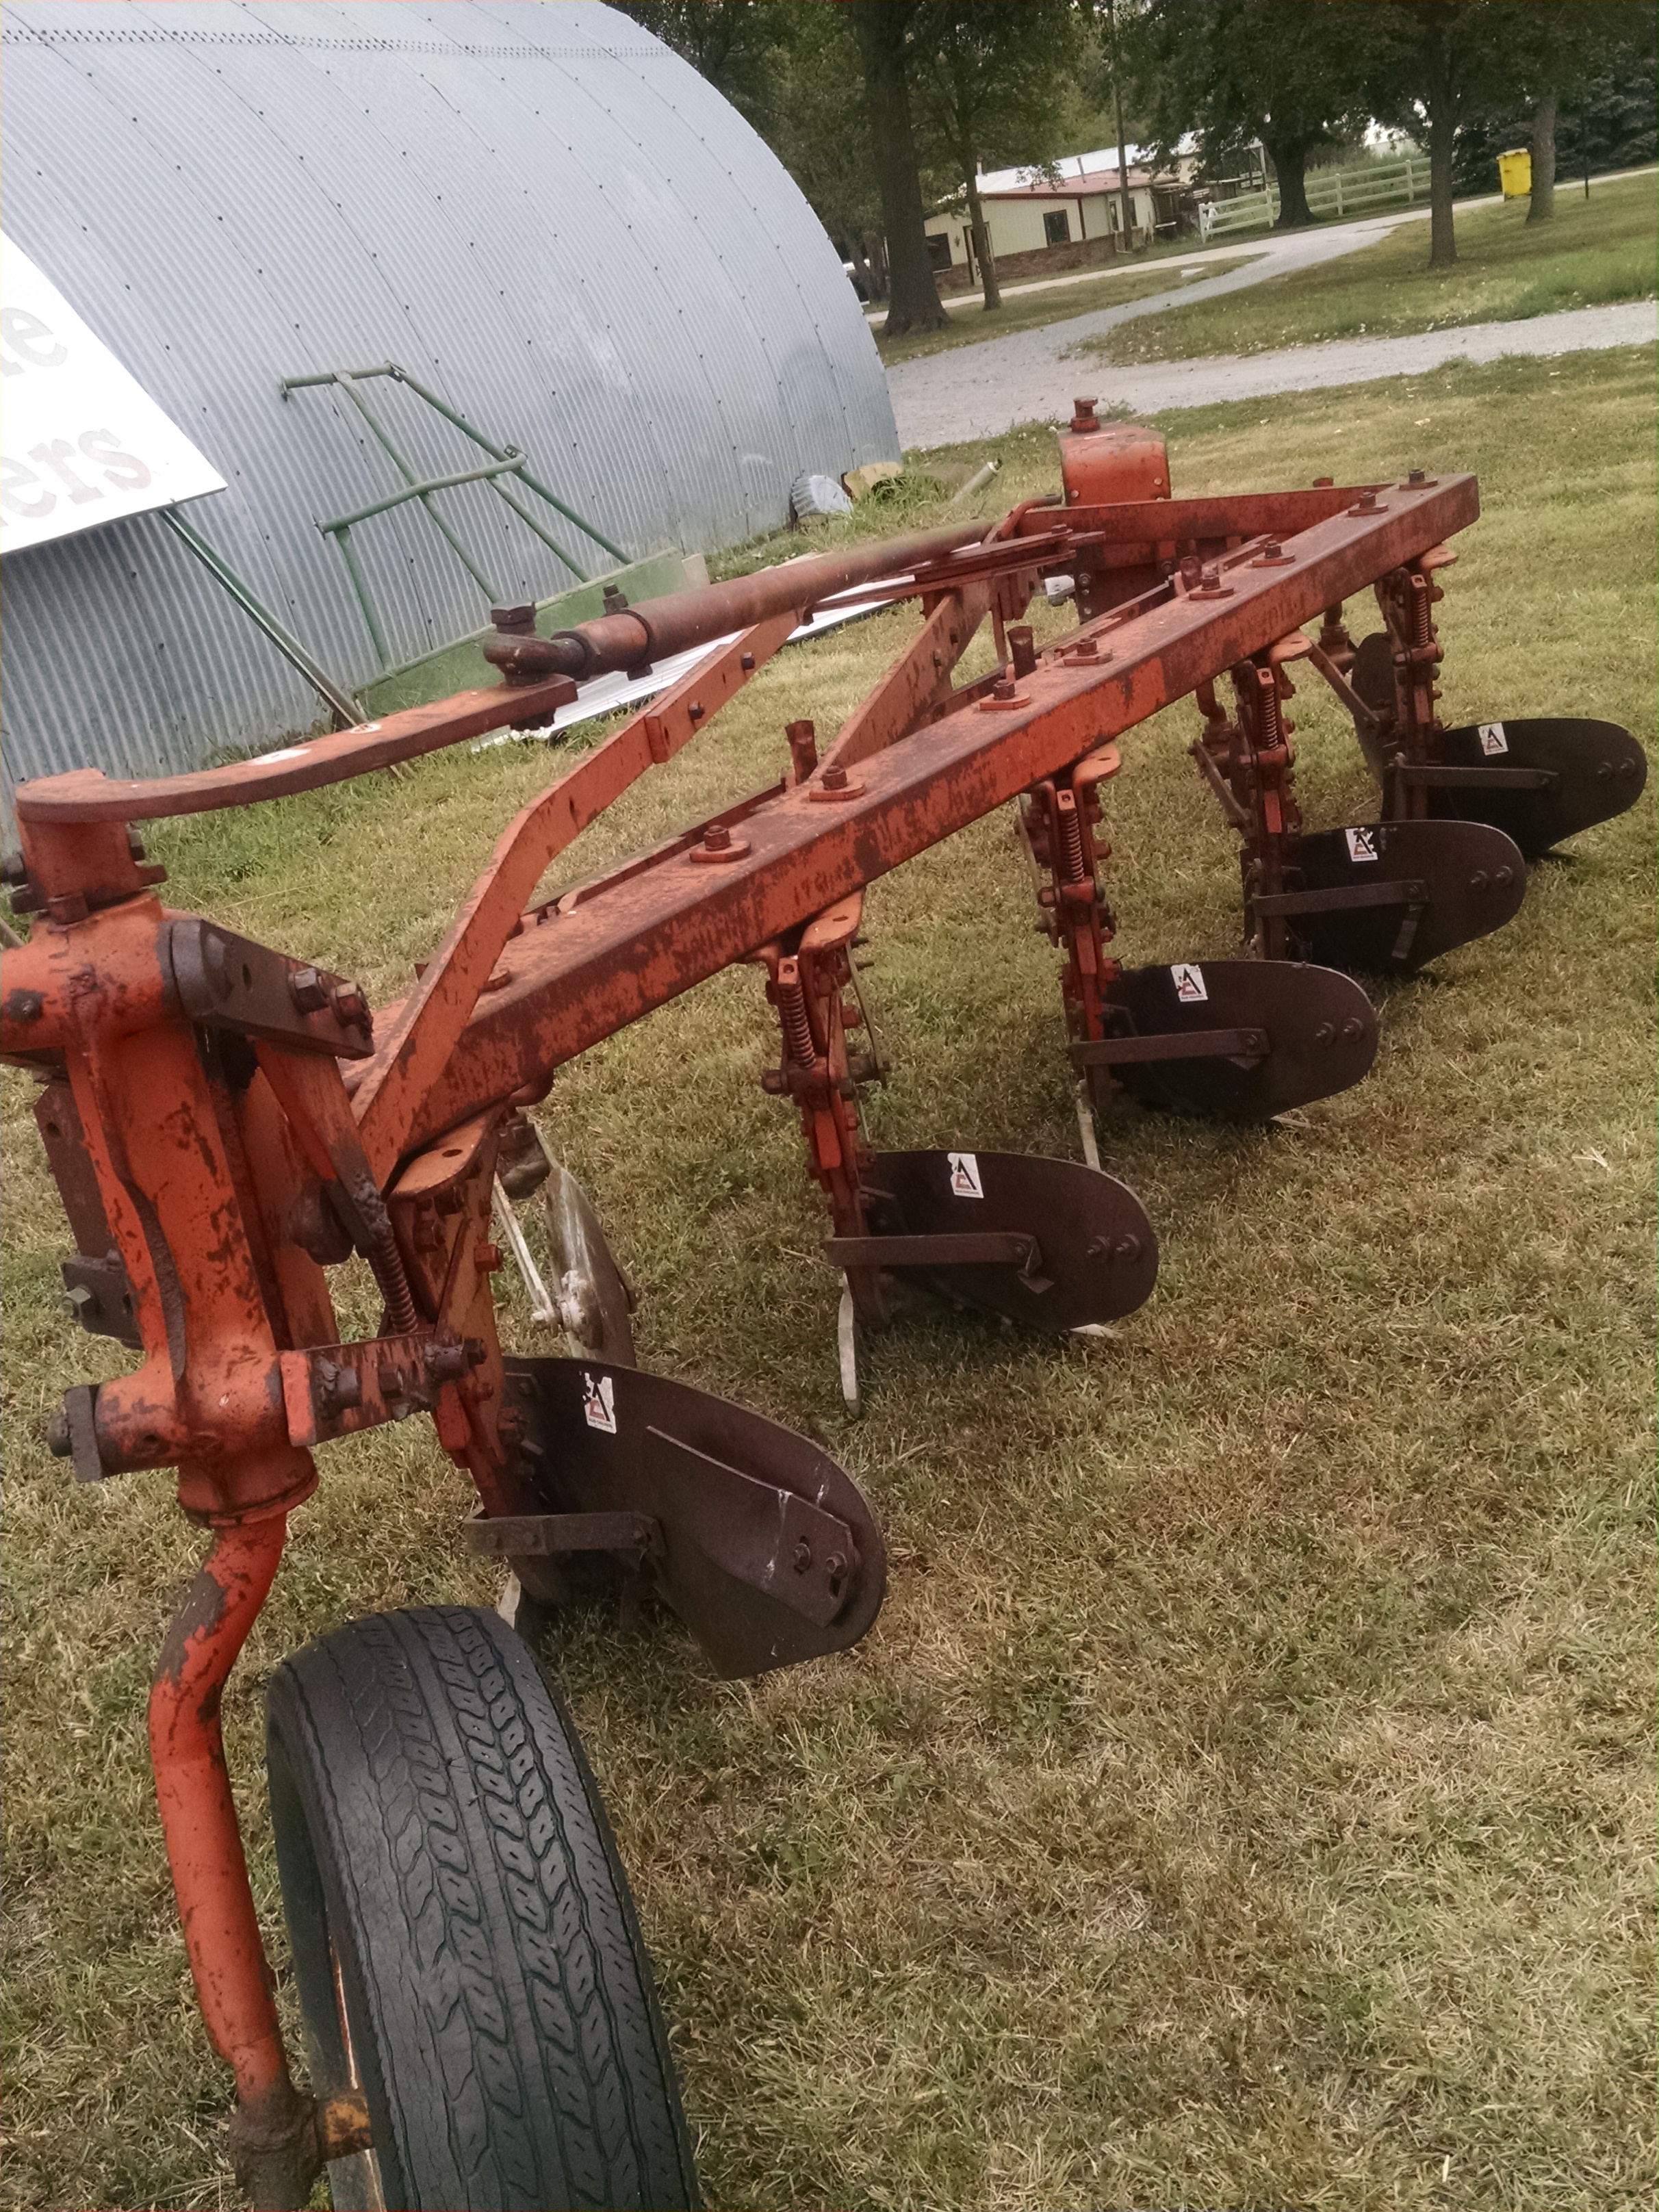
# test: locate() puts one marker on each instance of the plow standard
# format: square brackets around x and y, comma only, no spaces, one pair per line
[226,1122]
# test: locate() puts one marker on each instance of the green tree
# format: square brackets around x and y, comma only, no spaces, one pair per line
[1284,71]
[990,81]
[1433,67]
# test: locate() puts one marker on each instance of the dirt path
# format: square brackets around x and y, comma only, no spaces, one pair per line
[978,390]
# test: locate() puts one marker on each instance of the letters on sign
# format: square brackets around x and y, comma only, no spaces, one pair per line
[83,441]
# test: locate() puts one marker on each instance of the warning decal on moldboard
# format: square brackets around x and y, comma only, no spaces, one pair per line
[964,1175]
[84,443]
[1492,739]
[1362,844]
[1189,987]
[599,1403]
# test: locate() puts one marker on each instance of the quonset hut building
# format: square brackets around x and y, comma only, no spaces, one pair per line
[544,215]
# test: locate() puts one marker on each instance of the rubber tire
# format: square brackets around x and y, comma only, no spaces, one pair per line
[436,1824]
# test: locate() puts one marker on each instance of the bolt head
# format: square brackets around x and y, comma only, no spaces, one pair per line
[717,838]
[803,1556]
[307,990]
[1325,1034]
[835,779]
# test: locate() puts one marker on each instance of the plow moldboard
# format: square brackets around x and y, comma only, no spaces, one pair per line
[1599,767]
[615,1439]
[1098,1253]
[1317,1026]
[1473,880]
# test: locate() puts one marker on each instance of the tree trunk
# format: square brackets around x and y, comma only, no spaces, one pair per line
[980,231]
[1125,195]
[1543,161]
[1441,105]
[1290,159]
[913,301]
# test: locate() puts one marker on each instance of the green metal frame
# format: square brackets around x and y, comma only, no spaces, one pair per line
[505,461]
[345,707]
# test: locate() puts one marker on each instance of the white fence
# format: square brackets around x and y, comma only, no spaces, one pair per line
[1331,192]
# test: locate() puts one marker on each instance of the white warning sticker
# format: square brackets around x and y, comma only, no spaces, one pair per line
[1362,844]
[1189,986]
[1492,739]
[964,1176]
[599,1403]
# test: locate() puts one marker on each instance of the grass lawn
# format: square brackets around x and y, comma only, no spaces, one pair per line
[1245,1796]
[1025,310]
[1594,250]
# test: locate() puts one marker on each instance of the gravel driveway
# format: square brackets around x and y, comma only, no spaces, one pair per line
[977,391]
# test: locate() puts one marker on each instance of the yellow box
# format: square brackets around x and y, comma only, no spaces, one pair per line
[1515,173]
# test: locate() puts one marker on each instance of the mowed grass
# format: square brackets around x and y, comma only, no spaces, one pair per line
[1596,250]
[969,324]
[1245,1796]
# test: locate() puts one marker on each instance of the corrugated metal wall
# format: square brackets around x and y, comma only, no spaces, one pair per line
[531,205]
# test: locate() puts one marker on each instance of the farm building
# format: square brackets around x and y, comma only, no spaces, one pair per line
[1038,221]
[561,235]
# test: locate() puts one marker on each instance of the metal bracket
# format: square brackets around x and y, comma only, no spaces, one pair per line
[1172,1044]
[1435,776]
[232,983]
[1403,892]
[968,1248]
[551,1535]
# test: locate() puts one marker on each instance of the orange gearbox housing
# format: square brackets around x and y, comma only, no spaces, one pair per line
[1104,463]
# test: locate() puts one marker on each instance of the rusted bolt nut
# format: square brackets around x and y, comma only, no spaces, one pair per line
[834,1567]
[487,1258]
[717,838]
[1209,579]
[695,711]
[1366,501]
[337,1387]
[1416,477]
[802,1558]
[445,1363]
[351,1007]
[25,1006]
[390,1380]
[307,990]
[515,621]
[834,778]
[1002,689]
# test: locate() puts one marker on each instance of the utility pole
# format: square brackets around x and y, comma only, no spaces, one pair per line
[1127,203]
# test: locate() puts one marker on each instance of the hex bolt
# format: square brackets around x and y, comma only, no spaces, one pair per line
[802,1558]
[695,711]
[1086,649]
[1367,502]
[25,1005]
[835,777]
[1002,690]
[1416,477]
[486,1258]
[351,1007]
[717,838]
[834,1567]
[1209,579]
[746,662]
[135,845]
[616,600]
[307,990]
[515,621]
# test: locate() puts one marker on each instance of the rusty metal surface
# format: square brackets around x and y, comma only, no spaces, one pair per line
[235,1140]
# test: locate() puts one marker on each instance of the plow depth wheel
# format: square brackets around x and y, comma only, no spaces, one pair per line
[463,1941]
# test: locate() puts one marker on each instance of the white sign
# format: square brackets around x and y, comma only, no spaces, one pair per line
[964,1175]
[82,442]
[1492,739]
[1189,986]
[1362,845]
